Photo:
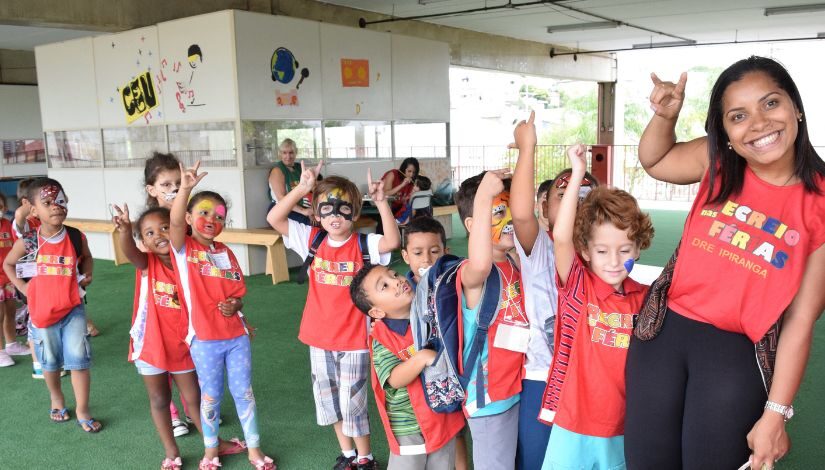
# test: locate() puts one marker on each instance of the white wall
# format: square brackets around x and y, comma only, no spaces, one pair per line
[20,118]
[373,102]
[257,38]
[66,82]
[420,79]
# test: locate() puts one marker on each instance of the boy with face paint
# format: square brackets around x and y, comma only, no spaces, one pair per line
[333,328]
[58,315]
[492,408]
[595,247]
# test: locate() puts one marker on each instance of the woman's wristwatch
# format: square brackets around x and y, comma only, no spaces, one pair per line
[785,410]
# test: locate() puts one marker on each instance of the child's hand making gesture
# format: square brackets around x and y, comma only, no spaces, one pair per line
[375,189]
[121,219]
[309,176]
[524,135]
[578,160]
[493,183]
[189,177]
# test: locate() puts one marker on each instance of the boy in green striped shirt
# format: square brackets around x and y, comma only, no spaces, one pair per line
[419,438]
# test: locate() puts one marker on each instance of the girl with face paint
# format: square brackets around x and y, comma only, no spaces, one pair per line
[213,286]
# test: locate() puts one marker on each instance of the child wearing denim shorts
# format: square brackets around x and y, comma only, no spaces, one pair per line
[58,316]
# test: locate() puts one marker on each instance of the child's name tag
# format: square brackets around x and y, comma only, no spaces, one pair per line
[513,338]
[25,270]
[221,260]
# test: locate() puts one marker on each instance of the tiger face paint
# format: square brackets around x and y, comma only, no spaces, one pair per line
[502,219]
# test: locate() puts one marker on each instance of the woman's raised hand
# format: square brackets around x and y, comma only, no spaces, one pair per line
[667,97]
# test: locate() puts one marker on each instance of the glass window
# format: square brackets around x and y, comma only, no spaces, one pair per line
[357,139]
[212,143]
[420,139]
[74,149]
[23,151]
[262,138]
[131,146]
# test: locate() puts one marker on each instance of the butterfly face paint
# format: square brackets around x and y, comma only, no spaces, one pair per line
[628,265]
[335,202]
[56,194]
[502,220]
[209,218]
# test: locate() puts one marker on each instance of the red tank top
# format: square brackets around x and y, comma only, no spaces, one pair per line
[330,320]
[505,368]
[6,242]
[159,329]
[741,262]
[53,292]
[209,285]
[437,428]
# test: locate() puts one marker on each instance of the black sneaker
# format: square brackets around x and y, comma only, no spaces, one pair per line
[365,464]
[344,463]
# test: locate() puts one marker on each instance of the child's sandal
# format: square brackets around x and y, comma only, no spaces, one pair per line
[169,464]
[207,464]
[263,464]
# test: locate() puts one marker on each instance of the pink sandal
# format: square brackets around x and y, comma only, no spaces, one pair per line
[207,464]
[264,464]
[169,464]
[238,446]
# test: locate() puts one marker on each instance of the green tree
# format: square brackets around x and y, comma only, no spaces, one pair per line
[578,123]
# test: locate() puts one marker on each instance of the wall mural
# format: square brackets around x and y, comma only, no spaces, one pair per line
[285,69]
[140,94]
[355,72]
[185,94]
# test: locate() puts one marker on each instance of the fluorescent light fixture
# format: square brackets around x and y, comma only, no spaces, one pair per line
[583,26]
[654,45]
[789,10]
[427,2]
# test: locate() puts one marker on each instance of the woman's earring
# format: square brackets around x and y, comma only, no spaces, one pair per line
[730,146]
[800,117]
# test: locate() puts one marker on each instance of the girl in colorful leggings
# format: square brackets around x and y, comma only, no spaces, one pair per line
[213,287]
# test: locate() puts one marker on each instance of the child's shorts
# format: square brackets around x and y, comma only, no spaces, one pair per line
[144,368]
[340,380]
[568,450]
[64,344]
[7,292]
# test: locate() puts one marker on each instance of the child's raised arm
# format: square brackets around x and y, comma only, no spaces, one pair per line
[127,242]
[391,239]
[563,245]
[279,214]
[480,240]
[661,156]
[522,193]
[189,178]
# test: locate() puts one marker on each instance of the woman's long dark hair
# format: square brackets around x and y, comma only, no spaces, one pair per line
[410,161]
[725,163]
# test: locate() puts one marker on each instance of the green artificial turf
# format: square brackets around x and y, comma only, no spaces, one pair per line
[281,378]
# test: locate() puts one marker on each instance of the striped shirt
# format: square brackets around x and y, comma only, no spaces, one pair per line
[399,409]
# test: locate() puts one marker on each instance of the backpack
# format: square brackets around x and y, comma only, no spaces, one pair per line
[434,324]
[303,273]
[31,243]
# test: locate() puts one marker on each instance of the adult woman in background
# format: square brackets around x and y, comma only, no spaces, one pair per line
[707,392]
[400,184]
[284,176]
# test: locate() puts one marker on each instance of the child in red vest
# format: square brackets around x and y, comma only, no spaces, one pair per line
[492,406]
[332,327]
[419,438]
[58,316]
[8,300]
[595,248]
[213,286]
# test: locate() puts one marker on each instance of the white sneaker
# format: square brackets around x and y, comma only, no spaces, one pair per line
[179,428]
[5,359]
[17,349]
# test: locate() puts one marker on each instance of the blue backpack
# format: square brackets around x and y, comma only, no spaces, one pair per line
[434,323]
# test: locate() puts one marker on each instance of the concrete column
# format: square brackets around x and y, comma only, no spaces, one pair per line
[17,67]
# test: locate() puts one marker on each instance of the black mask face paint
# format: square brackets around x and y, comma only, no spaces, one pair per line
[335,207]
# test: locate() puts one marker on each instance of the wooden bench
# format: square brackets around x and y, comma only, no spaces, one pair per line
[275,252]
[444,214]
[101,226]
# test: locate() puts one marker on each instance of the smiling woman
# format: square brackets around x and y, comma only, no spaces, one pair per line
[715,387]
